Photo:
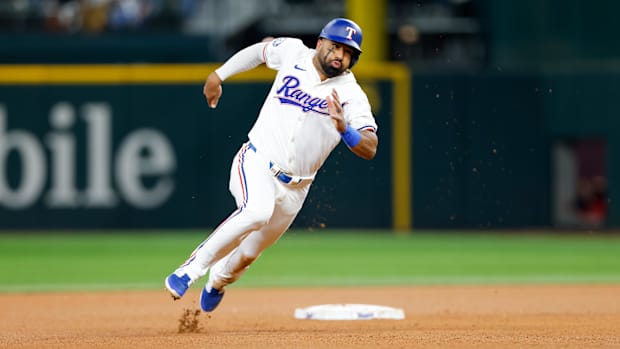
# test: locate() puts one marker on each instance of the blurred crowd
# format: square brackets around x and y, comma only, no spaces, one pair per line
[431,34]
[92,16]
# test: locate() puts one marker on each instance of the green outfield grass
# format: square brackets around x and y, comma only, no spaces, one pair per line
[141,260]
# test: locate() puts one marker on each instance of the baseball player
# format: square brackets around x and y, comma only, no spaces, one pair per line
[314,103]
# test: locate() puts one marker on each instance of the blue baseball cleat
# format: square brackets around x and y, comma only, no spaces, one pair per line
[209,300]
[177,285]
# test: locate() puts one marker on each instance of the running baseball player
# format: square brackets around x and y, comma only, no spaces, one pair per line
[314,103]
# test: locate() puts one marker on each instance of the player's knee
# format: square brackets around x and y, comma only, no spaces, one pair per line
[257,217]
[246,260]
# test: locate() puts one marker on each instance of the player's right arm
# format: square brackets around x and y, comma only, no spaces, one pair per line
[273,52]
[246,59]
[212,89]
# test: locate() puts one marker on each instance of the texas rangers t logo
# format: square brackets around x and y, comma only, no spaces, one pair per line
[351,32]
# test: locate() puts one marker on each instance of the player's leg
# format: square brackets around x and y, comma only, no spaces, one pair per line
[252,186]
[230,268]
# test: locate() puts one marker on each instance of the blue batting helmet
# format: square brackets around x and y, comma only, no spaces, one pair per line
[346,32]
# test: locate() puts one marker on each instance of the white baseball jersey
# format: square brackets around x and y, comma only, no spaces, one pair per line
[294,129]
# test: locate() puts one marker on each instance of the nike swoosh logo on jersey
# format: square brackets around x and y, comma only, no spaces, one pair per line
[299,68]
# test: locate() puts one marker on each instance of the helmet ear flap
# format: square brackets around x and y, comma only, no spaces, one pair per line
[354,58]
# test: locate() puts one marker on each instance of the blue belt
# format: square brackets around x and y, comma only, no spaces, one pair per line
[280,174]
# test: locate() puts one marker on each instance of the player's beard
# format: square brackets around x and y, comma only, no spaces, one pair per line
[329,70]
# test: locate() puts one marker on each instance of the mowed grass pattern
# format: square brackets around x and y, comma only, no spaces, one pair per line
[60,261]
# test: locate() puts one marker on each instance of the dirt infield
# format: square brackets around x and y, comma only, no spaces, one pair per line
[436,317]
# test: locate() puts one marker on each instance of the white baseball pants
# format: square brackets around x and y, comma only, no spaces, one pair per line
[266,208]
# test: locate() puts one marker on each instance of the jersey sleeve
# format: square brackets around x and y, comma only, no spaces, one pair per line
[281,50]
[244,60]
[359,114]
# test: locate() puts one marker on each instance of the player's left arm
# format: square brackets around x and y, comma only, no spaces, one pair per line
[362,143]
[366,148]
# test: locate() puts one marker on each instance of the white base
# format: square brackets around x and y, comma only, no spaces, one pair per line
[349,312]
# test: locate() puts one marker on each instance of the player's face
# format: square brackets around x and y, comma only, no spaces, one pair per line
[334,57]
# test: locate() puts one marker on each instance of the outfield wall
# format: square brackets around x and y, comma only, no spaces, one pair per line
[152,155]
